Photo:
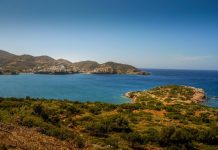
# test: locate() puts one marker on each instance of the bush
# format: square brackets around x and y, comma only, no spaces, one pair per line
[39,110]
[79,142]
[175,137]
[115,123]
[59,133]
[94,110]
[209,136]
[30,121]
[112,142]
[170,109]
[55,120]
[86,118]
[98,129]
[45,114]
[134,138]
[9,104]
[151,135]
[72,110]
[175,115]
[204,117]
[131,107]
[109,107]
[119,124]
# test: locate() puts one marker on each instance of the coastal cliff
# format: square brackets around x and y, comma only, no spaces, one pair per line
[14,64]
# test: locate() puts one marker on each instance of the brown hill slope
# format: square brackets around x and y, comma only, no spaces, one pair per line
[86,66]
[18,137]
[5,57]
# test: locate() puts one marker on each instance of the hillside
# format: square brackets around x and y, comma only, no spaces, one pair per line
[116,68]
[85,66]
[175,122]
[5,58]
[10,63]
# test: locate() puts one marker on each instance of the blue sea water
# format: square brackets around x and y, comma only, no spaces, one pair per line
[105,88]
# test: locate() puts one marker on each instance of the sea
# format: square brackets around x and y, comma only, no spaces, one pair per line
[105,88]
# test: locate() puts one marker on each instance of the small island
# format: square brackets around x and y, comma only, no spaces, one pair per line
[15,64]
[166,117]
[169,95]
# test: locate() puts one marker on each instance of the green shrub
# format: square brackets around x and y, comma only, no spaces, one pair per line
[9,104]
[55,120]
[168,100]
[73,110]
[175,137]
[38,109]
[151,135]
[119,124]
[94,110]
[205,117]
[209,136]
[115,123]
[86,118]
[46,114]
[134,138]
[98,129]
[31,121]
[170,109]
[59,133]
[79,142]
[175,115]
[109,107]
[131,107]
[112,142]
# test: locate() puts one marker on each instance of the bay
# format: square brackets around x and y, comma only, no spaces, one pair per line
[105,88]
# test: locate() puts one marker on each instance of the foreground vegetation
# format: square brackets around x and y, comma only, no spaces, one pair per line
[148,123]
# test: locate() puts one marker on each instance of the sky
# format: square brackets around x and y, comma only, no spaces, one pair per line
[177,34]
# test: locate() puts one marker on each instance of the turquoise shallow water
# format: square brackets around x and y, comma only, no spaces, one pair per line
[105,88]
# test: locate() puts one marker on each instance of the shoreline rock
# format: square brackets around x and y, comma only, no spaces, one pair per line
[199,95]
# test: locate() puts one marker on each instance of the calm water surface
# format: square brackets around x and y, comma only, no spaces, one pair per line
[105,88]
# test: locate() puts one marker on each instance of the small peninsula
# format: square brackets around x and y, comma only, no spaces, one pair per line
[15,64]
[166,117]
[169,95]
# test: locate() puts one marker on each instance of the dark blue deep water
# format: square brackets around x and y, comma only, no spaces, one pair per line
[105,88]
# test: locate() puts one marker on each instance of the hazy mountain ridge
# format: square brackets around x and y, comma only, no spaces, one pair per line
[47,65]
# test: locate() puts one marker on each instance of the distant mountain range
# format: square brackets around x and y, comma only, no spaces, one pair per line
[13,64]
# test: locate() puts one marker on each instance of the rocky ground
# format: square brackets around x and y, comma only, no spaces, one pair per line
[18,137]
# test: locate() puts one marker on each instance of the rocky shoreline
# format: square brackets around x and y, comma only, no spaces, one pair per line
[9,73]
[199,95]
